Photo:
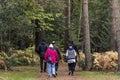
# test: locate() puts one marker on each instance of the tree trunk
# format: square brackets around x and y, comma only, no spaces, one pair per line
[113,10]
[87,51]
[67,26]
[80,21]
[115,22]
[118,45]
[39,33]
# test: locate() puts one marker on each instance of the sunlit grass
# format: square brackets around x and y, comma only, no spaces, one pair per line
[20,73]
[87,75]
[31,73]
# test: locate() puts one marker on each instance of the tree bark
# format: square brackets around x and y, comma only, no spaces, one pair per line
[118,45]
[87,48]
[113,10]
[115,28]
[116,19]
[80,21]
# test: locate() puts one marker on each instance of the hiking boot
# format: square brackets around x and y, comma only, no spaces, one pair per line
[41,71]
[44,70]
[69,73]
[72,73]
[54,75]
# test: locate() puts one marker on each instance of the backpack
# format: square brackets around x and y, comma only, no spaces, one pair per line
[42,49]
[71,54]
[49,59]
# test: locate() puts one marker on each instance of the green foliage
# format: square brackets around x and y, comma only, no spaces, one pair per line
[99,20]
[75,15]
[20,57]
[4,55]
[53,6]
[17,22]
[55,9]
[99,25]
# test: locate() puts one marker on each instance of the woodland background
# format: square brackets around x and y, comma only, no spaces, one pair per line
[24,23]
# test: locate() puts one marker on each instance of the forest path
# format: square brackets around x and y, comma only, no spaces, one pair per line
[62,74]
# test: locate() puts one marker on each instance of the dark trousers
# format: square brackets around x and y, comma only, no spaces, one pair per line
[42,65]
[75,63]
[56,66]
[75,66]
[71,67]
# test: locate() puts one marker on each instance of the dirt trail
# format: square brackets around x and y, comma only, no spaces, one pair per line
[62,74]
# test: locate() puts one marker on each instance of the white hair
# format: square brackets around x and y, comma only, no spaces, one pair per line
[51,45]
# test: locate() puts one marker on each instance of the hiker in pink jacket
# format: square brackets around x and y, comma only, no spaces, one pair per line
[51,58]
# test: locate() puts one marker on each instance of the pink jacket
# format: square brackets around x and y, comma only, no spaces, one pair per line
[52,53]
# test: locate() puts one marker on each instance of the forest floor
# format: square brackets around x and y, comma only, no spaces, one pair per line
[33,73]
[62,74]
[78,74]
